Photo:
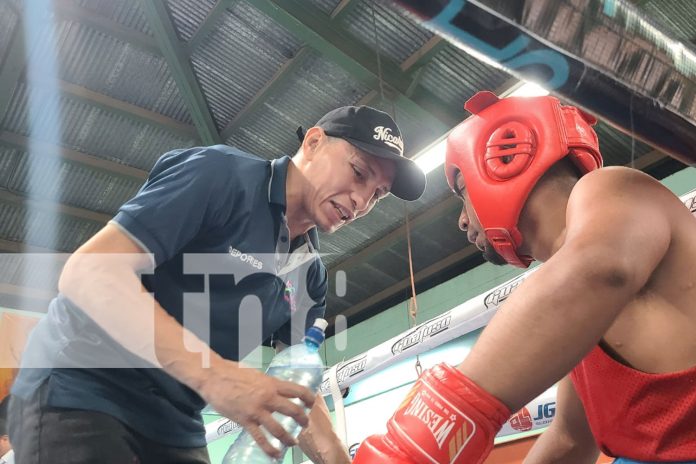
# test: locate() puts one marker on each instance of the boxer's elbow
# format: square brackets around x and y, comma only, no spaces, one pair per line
[605,269]
[559,446]
[613,276]
[602,280]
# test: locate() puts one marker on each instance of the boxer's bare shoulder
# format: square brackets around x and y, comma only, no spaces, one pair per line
[651,333]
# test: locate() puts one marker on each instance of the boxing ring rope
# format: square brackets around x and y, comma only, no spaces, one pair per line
[601,55]
[458,321]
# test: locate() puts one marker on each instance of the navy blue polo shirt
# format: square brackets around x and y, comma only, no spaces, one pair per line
[201,210]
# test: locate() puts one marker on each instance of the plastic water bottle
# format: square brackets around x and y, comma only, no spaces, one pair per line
[300,364]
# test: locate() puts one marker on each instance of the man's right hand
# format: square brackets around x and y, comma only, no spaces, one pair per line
[250,397]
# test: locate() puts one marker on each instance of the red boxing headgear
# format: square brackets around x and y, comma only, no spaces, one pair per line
[504,148]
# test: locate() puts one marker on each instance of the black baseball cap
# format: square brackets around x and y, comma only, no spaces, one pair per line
[375,132]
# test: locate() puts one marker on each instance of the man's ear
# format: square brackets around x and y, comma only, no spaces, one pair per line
[312,139]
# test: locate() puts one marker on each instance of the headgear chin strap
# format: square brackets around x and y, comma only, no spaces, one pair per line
[504,148]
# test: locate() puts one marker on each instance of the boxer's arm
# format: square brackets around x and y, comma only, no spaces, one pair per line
[617,231]
[568,440]
[319,440]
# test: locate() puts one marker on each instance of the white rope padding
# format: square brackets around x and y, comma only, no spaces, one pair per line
[458,321]
[339,407]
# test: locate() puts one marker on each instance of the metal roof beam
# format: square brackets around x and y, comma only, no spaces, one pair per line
[343,9]
[70,11]
[52,207]
[51,151]
[311,26]
[208,24]
[423,55]
[647,160]
[10,246]
[182,71]
[122,108]
[282,75]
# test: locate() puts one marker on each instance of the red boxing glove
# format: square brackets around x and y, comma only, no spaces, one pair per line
[445,419]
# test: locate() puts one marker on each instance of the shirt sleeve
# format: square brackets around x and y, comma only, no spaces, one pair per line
[187,191]
[317,284]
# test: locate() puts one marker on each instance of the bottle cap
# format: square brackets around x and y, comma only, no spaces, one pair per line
[316,332]
[321,324]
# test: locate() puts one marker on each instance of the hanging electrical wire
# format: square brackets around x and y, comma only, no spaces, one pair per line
[412,306]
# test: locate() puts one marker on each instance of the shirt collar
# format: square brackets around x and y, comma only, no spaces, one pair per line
[276,193]
[276,184]
[7,457]
[313,239]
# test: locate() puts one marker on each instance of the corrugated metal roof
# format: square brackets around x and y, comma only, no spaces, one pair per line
[8,21]
[454,76]
[17,115]
[240,55]
[69,234]
[32,270]
[9,159]
[326,6]
[390,214]
[431,242]
[393,261]
[616,146]
[676,15]
[329,86]
[354,236]
[188,15]
[436,190]
[356,290]
[95,131]
[398,37]
[72,184]
[106,65]
[125,12]
[44,230]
